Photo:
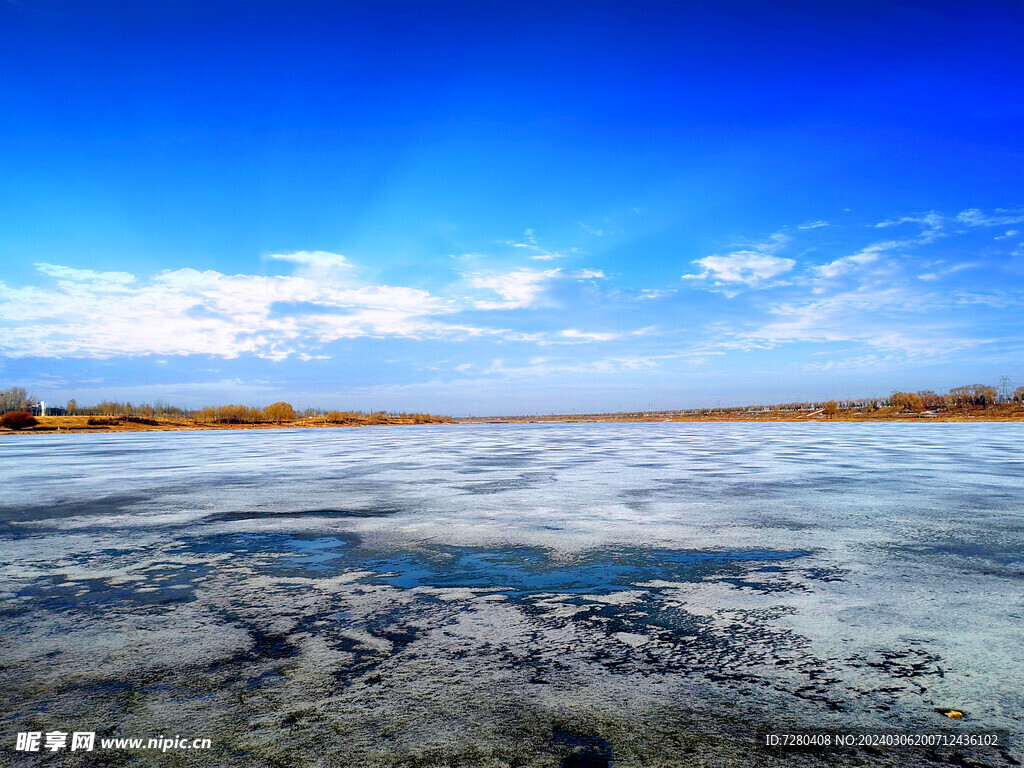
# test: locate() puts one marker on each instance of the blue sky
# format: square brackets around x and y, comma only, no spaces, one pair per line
[473,208]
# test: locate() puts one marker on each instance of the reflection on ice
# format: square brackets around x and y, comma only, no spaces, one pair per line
[513,569]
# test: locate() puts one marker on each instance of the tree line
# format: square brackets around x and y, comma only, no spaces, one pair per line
[967,397]
[971,396]
[17,399]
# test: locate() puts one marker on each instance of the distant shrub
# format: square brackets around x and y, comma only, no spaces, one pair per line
[96,421]
[18,420]
[931,400]
[907,401]
[279,412]
[342,417]
[140,420]
[229,414]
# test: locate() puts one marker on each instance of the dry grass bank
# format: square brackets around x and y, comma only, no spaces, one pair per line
[86,424]
[1001,412]
[1011,412]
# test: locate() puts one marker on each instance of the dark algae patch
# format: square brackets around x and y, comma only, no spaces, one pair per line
[587,751]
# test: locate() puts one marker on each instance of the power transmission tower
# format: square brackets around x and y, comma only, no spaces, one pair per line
[1004,388]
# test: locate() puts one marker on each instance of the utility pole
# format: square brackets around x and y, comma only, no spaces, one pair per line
[1004,387]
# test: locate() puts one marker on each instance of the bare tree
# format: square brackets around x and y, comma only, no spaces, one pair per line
[907,401]
[278,412]
[15,399]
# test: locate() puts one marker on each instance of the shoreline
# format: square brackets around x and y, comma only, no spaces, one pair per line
[79,424]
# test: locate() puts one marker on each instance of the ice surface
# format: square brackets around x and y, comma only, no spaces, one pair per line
[849,575]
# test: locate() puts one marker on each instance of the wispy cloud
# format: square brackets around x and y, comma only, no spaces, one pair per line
[933,224]
[895,321]
[1002,217]
[85,275]
[575,335]
[656,293]
[948,271]
[929,220]
[866,255]
[519,289]
[592,230]
[545,367]
[537,253]
[318,259]
[876,300]
[750,268]
[524,288]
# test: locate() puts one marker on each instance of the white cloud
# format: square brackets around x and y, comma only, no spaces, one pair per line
[521,288]
[750,268]
[864,256]
[931,224]
[929,220]
[389,297]
[656,293]
[575,335]
[317,259]
[813,225]
[775,242]
[84,275]
[185,311]
[88,313]
[973,217]
[948,271]
[894,320]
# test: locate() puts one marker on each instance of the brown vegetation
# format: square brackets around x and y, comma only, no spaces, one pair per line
[15,399]
[279,412]
[972,395]
[17,420]
[907,401]
[971,402]
[225,417]
[229,414]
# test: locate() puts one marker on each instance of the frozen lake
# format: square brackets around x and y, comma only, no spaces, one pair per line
[571,594]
